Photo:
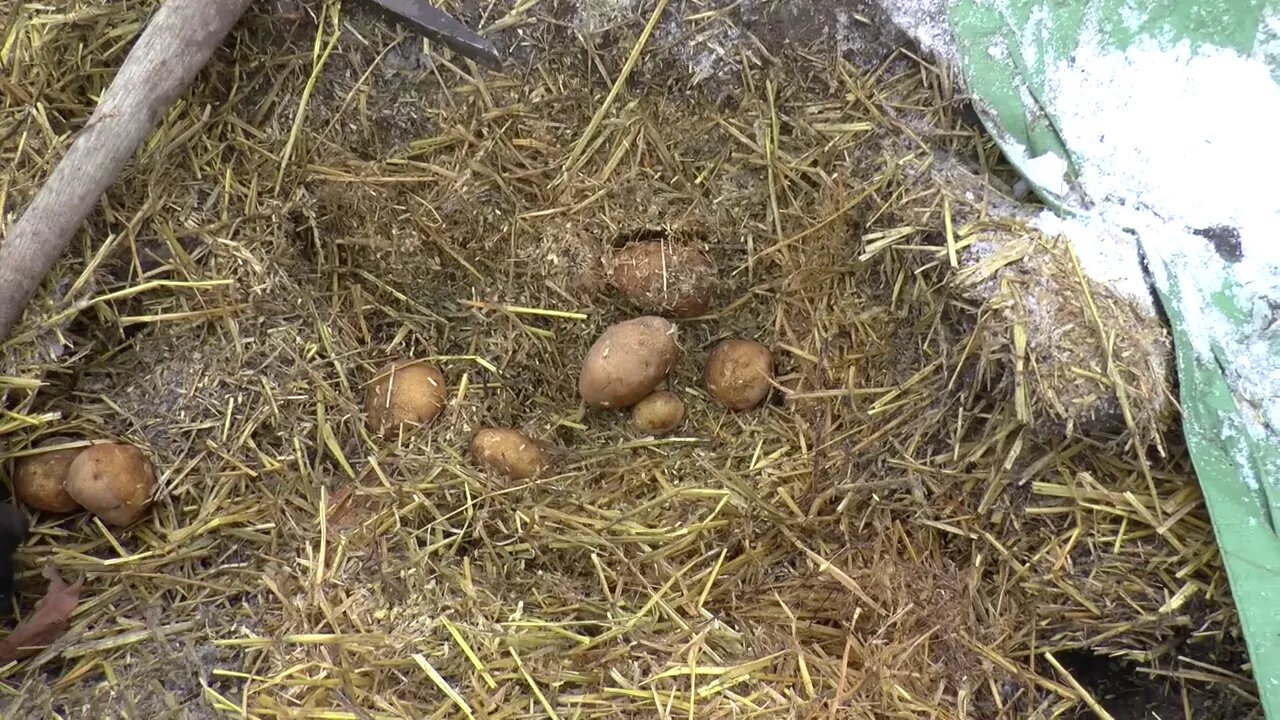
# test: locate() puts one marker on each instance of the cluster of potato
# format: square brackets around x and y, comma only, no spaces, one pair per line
[623,369]
[112,480]
[409,393]
[677,280]
[627,364]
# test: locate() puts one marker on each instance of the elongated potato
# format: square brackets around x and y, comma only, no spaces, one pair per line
[663,278]
[627,362]
[508,452]
[38,481]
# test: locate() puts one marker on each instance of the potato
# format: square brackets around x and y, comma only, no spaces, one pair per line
[113,481]
[508,452]
[660,278]
[658,414]
[739,373]
[627,362]
[38,480]
[404,393]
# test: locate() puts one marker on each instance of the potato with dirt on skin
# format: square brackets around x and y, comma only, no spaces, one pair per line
[39,480]
[658,414]
[663,278]
[113,481]
[627,362]
[739,373]
[508,452]
[404,393]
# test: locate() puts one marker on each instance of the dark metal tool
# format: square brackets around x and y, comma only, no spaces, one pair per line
[438,26]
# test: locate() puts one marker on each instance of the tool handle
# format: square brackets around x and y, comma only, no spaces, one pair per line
[175,45]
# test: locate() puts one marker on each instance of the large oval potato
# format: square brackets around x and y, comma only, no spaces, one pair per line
[662,278]
[739,373]
[113,481]
[627,362]
[39,480]
[404,393]
[508,452]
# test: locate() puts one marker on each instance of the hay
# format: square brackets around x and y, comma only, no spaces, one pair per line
[890,537]
[1094,363]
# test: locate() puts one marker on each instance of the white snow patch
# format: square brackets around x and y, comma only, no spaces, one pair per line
[1035,36]
[1107,256]
[1170,139]
[1049,171]
[925,21]
[1132,16]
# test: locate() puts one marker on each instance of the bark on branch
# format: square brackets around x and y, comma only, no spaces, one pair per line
[172,49]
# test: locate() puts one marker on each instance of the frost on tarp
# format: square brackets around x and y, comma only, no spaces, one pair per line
[1167,139]
[1173,166]
[1166,111]
[1047,321]
[1268,42]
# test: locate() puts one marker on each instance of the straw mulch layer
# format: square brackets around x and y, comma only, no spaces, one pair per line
[919,524]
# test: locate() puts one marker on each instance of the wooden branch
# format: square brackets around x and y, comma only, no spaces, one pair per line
[173,48]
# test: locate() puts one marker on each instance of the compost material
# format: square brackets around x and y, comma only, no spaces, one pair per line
[893,533]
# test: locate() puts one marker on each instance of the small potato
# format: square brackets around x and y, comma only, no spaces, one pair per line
[658,414]
[661,278]
[508,452]
[739,373]
[404,393]
[38,480]
[113,481]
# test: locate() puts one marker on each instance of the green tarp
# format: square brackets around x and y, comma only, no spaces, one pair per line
[1009,53]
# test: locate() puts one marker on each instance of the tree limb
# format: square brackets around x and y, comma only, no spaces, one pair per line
[173,48]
